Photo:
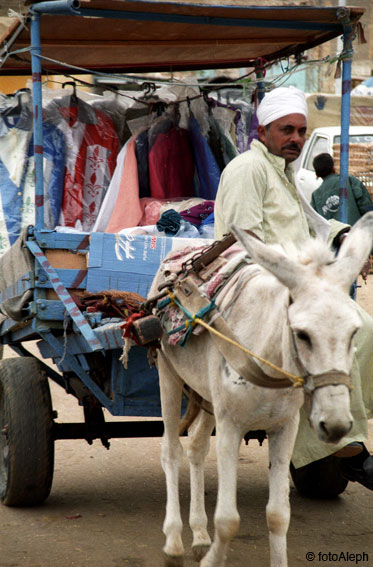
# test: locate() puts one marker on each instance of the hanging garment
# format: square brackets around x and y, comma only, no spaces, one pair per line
[91,152]
[239,128]
[253,132]
[171,165]
[107,207]
[208,169]
[142,151]
[127,210]
[53,172]
[214,141]
[17,175]
[221,143]
[116,110]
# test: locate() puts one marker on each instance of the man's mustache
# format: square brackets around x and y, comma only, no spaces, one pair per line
[292,147]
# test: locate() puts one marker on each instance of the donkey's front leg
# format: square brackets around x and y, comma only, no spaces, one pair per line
[171,458]
[199,443]
[226,519]
[281,445]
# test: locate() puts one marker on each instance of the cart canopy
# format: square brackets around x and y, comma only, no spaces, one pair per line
[139,36]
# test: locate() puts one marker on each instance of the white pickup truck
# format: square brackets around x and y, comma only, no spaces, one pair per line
[328,140]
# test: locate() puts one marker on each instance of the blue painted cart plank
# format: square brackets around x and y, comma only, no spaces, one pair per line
[76,279]
[76,241]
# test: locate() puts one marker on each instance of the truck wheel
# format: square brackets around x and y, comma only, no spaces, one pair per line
[320,479]
[26,438]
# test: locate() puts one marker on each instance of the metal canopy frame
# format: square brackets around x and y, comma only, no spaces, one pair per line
[147,35]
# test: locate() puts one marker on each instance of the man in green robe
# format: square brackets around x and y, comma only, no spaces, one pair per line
[325,200]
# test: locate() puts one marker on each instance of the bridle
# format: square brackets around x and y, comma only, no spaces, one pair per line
[312,381]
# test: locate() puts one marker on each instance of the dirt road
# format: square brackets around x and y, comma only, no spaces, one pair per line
[106,508]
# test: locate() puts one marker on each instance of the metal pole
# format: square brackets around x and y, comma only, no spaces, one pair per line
[55,7]
[38,120]
[345,112]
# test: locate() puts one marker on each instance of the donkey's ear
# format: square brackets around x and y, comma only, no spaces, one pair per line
[275,261]
[355,250]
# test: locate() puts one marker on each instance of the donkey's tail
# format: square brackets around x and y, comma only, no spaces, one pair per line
[195,404]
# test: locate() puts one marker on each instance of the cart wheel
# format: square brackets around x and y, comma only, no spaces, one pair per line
[26,439]
[320,479]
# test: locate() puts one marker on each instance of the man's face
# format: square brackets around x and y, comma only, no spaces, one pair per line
[285,137]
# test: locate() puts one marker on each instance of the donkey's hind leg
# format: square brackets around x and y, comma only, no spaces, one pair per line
[171,459]
[199,443]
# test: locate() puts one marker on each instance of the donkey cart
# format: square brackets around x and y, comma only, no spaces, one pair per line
[52,281]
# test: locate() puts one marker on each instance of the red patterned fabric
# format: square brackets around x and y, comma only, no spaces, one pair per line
[93,152]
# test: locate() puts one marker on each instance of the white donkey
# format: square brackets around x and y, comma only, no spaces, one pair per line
[291,306]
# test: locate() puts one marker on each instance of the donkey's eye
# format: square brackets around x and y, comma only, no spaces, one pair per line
[302,336]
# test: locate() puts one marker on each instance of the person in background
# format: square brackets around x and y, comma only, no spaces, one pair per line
[257,192]
[325,199]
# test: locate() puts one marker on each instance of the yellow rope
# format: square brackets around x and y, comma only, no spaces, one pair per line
[298,380]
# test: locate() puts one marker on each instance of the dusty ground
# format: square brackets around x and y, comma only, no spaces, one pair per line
[106,508]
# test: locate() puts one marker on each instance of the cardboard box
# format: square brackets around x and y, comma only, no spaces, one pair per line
[129,263]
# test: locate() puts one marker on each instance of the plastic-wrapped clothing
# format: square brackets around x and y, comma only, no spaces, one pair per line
[54,166]
[206,228]
[228,148]
[91,151]
[142,151]
[214,141]
[117,112]
[108,203]
[253,132]
[127,211]
[171,165]
[207,168]
[17,175]
[187,230]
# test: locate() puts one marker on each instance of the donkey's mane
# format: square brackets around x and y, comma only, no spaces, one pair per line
[315,253]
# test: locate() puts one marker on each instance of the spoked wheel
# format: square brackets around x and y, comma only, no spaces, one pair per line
[320,479]
[26,439]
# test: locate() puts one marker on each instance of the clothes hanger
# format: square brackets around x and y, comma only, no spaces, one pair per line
[74,97]
[16,109]
[149,92]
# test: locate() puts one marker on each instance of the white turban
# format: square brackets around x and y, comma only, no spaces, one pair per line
[281,102]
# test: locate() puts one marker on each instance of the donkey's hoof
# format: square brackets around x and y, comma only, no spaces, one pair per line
[173,560]
[199,551]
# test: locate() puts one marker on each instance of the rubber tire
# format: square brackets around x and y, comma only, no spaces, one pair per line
[321,479]
[27,444]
